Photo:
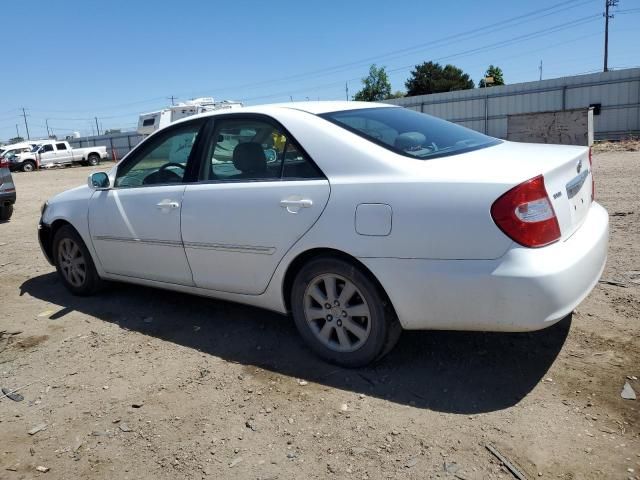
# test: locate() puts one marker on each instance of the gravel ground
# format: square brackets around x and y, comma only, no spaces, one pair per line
[145,384]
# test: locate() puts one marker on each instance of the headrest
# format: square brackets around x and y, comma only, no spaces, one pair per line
[249,158]
[409,141]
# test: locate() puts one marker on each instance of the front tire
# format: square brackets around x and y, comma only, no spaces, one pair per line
[342,314]
[73,262]
[28,166]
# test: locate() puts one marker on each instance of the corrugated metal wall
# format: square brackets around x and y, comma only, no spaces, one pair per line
[486,110]
[120,143]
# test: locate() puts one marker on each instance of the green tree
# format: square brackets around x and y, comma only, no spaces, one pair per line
[13,140]
[376,86]
[495,73]
[431,77]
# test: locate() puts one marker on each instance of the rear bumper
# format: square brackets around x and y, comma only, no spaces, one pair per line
[526,289]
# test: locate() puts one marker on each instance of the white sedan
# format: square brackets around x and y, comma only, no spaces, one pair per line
[360,219]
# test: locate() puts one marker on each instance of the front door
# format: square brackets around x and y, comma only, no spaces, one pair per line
[48,154]
[135,226]
[258,194]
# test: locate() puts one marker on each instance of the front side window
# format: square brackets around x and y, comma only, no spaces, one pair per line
[162,162]
[47,148]
[410,133]
[253,150]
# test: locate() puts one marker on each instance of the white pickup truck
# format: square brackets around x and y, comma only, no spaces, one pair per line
[54,152]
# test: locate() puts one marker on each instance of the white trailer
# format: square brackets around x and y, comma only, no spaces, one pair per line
[152,121]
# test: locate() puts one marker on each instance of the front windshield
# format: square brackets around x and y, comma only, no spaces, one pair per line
[410,133]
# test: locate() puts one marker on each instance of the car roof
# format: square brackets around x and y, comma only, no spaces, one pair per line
[316,108]
[320,107]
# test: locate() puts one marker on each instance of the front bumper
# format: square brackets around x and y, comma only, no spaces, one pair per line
[44,239]
[526,289]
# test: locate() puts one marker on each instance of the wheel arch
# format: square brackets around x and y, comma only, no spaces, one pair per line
[299,261]
[46,237]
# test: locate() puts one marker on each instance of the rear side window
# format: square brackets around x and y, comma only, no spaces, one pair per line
[248,149]
[148,122]
[410,133]
[61,146]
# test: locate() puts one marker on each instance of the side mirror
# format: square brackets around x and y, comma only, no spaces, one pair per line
[98,181]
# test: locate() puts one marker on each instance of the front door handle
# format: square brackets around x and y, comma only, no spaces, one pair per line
[167,204]
[293,205]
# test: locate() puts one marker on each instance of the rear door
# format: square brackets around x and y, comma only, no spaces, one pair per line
[63,154]
[258,193]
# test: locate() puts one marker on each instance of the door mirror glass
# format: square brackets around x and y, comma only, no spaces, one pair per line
[98,181]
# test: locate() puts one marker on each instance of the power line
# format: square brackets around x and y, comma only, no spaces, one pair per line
[416,48]
[498,44]
[507,23]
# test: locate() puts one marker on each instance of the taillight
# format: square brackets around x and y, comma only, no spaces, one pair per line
[525,214]
[4,163]
[593,182]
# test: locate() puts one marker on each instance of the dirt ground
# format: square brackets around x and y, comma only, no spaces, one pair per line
[145,384]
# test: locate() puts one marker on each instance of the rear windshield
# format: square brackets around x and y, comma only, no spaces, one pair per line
[410,133]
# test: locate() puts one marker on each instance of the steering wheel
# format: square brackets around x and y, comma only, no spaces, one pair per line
[172,164]
[162,175]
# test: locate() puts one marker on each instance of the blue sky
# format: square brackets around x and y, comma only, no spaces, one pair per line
[68,61]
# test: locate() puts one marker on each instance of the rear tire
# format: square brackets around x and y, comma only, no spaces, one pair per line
[93,160]
[342,314]
[74,263]
[28,166]
[6,212]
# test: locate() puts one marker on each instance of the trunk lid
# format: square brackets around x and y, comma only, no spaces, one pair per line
[566,170]
[570,189]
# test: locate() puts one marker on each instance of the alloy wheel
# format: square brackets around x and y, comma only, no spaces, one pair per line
[72,262]
[337,313]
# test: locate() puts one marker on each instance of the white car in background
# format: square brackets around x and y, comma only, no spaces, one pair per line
[360,219]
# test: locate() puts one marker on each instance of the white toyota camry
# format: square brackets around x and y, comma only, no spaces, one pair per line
[360,219]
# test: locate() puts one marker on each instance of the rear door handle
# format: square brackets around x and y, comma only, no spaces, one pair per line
[293,205]
[167,204]
[303,203]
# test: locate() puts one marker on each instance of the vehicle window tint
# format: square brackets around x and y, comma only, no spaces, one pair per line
[164,161]
[61,146]
[298,165]
[245,150]
[47,148]
[410,133]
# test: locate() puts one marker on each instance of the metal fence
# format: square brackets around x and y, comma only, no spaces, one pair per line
[615,96]
[118,143]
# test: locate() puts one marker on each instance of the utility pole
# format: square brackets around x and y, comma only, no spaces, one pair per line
[172,98]
[607,16]
[346,89]
[26,126]
[17,131]
[46,121]
[540,68]
[97,127]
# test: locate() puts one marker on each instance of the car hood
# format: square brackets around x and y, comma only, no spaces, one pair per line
[73,194]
